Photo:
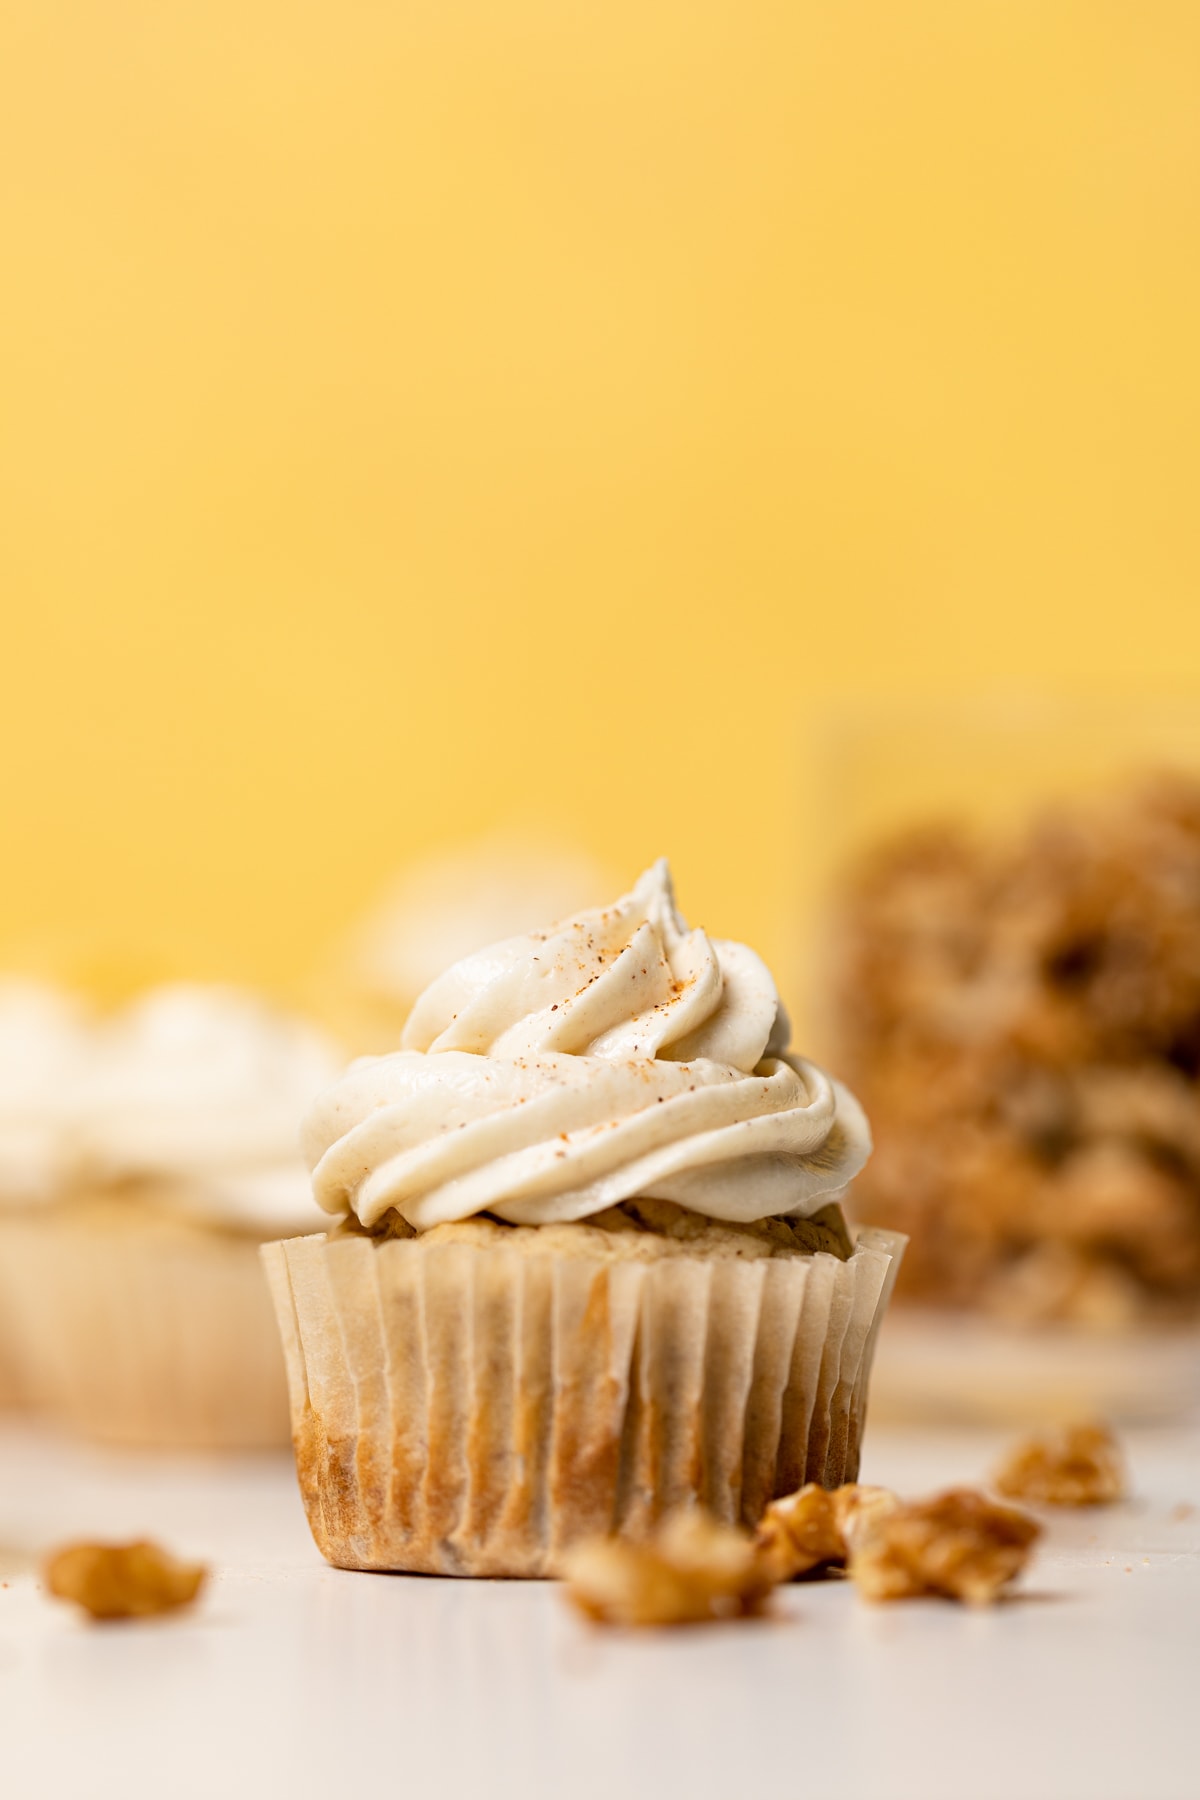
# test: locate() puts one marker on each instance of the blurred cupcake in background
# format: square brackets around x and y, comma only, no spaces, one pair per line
[138,1305]
[43,1041]
[440,908]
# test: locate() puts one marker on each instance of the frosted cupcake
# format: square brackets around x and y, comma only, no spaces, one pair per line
[43,1039]
[139,1304]
[590,1262]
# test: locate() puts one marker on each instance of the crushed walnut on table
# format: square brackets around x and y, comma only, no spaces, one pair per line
[122,1581]
[813,1531]
[959,1545]
[691,1570]
[1077,1465]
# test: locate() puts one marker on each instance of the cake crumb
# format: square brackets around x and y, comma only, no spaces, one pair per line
[959,1545]
[122,1581]
[1077,1465]
[691,1570]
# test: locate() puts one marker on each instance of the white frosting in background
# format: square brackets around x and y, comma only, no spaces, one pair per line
[454,899]
[43,1043]
[615,1055]
[204,1087]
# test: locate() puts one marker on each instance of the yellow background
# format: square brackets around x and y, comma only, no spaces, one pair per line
[415,415]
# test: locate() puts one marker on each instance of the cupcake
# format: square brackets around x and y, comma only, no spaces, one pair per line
[589,1262]
[137,1298]
[43,1035]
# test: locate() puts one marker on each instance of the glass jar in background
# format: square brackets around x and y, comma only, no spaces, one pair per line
[1004,962]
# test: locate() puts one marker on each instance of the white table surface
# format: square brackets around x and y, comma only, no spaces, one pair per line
[294,1679]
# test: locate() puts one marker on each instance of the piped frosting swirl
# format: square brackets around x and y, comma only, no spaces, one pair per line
[614,1055]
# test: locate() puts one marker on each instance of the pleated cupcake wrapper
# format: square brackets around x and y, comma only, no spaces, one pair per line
[145,1338]
[471,1411]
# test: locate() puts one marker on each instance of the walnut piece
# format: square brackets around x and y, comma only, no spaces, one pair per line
[958,1544]
[691,1570]
[1079,1465]
[816,1528]
[122,1581]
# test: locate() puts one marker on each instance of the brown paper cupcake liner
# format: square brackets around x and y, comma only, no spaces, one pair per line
[467,1410]
[145,1337]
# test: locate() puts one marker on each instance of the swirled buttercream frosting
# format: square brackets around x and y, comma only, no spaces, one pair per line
[613,1056]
